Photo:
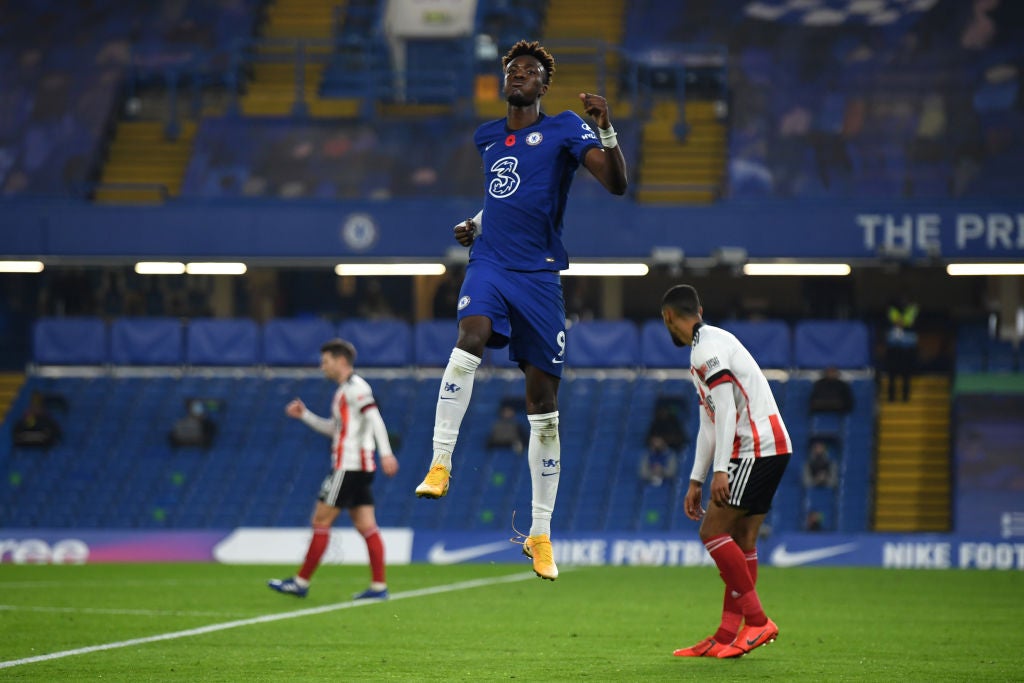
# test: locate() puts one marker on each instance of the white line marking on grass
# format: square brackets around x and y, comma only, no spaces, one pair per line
[128,612]
[267,618]
[117,582]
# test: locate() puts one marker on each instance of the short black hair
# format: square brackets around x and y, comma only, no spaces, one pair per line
[340,347]
[682,299]
[534,49]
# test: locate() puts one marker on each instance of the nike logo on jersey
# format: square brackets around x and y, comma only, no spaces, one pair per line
[489,146]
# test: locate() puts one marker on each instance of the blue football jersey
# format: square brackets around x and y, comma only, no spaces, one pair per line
[527,176]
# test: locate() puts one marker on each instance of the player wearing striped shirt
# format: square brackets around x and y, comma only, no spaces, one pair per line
[357,430]
[743,439]
[512,293]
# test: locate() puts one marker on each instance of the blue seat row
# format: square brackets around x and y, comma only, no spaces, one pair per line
[218,342]
[131,477]
[978,351]
[393,343]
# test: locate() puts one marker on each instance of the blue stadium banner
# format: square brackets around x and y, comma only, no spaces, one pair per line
[610,228]
[891,551]
[287,545]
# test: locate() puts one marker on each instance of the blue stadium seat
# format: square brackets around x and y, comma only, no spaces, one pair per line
[767,340]
[101,481]
[288,341]
[603,344]
[1002,356]
[438,84]
[147,341]
[70,341]
[379,343]
[657,350]
[819,344]
[971,348]
[826,424]
[216,341]
[498,358]
[823,501]
[433,342]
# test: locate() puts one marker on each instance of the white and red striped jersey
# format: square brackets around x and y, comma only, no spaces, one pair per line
[355,427]
[719,361]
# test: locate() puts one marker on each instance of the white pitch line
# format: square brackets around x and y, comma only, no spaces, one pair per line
[114,582]
[109,610]
[267,618]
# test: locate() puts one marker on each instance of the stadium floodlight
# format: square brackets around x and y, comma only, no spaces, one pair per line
[600,269]
[21,266]
[800,269]
[390,269]
[211,268]
[159,268]
[956,269]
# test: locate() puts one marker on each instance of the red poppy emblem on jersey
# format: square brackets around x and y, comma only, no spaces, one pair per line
[510,140]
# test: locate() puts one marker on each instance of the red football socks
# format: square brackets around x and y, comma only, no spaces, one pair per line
[375,548]
[317,547]
[733,564]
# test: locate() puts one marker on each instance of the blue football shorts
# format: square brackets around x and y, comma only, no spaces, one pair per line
[526,309]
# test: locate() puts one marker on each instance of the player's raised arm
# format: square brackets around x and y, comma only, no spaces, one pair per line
[606,164]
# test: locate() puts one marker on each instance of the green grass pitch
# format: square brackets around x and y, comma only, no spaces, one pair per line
[600,624]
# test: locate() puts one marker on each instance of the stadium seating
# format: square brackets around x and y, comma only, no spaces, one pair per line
[769,341]
[147,341]
[116,469]
[67,65]
[808,127]
[393,343]
[70,341]
[433,342]
[603,344]
[657,350]
[818,344]
[295,342]
[379,343]
[978,351]
[213,341]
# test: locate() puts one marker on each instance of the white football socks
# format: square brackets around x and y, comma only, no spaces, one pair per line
[544,455]
[452,402]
